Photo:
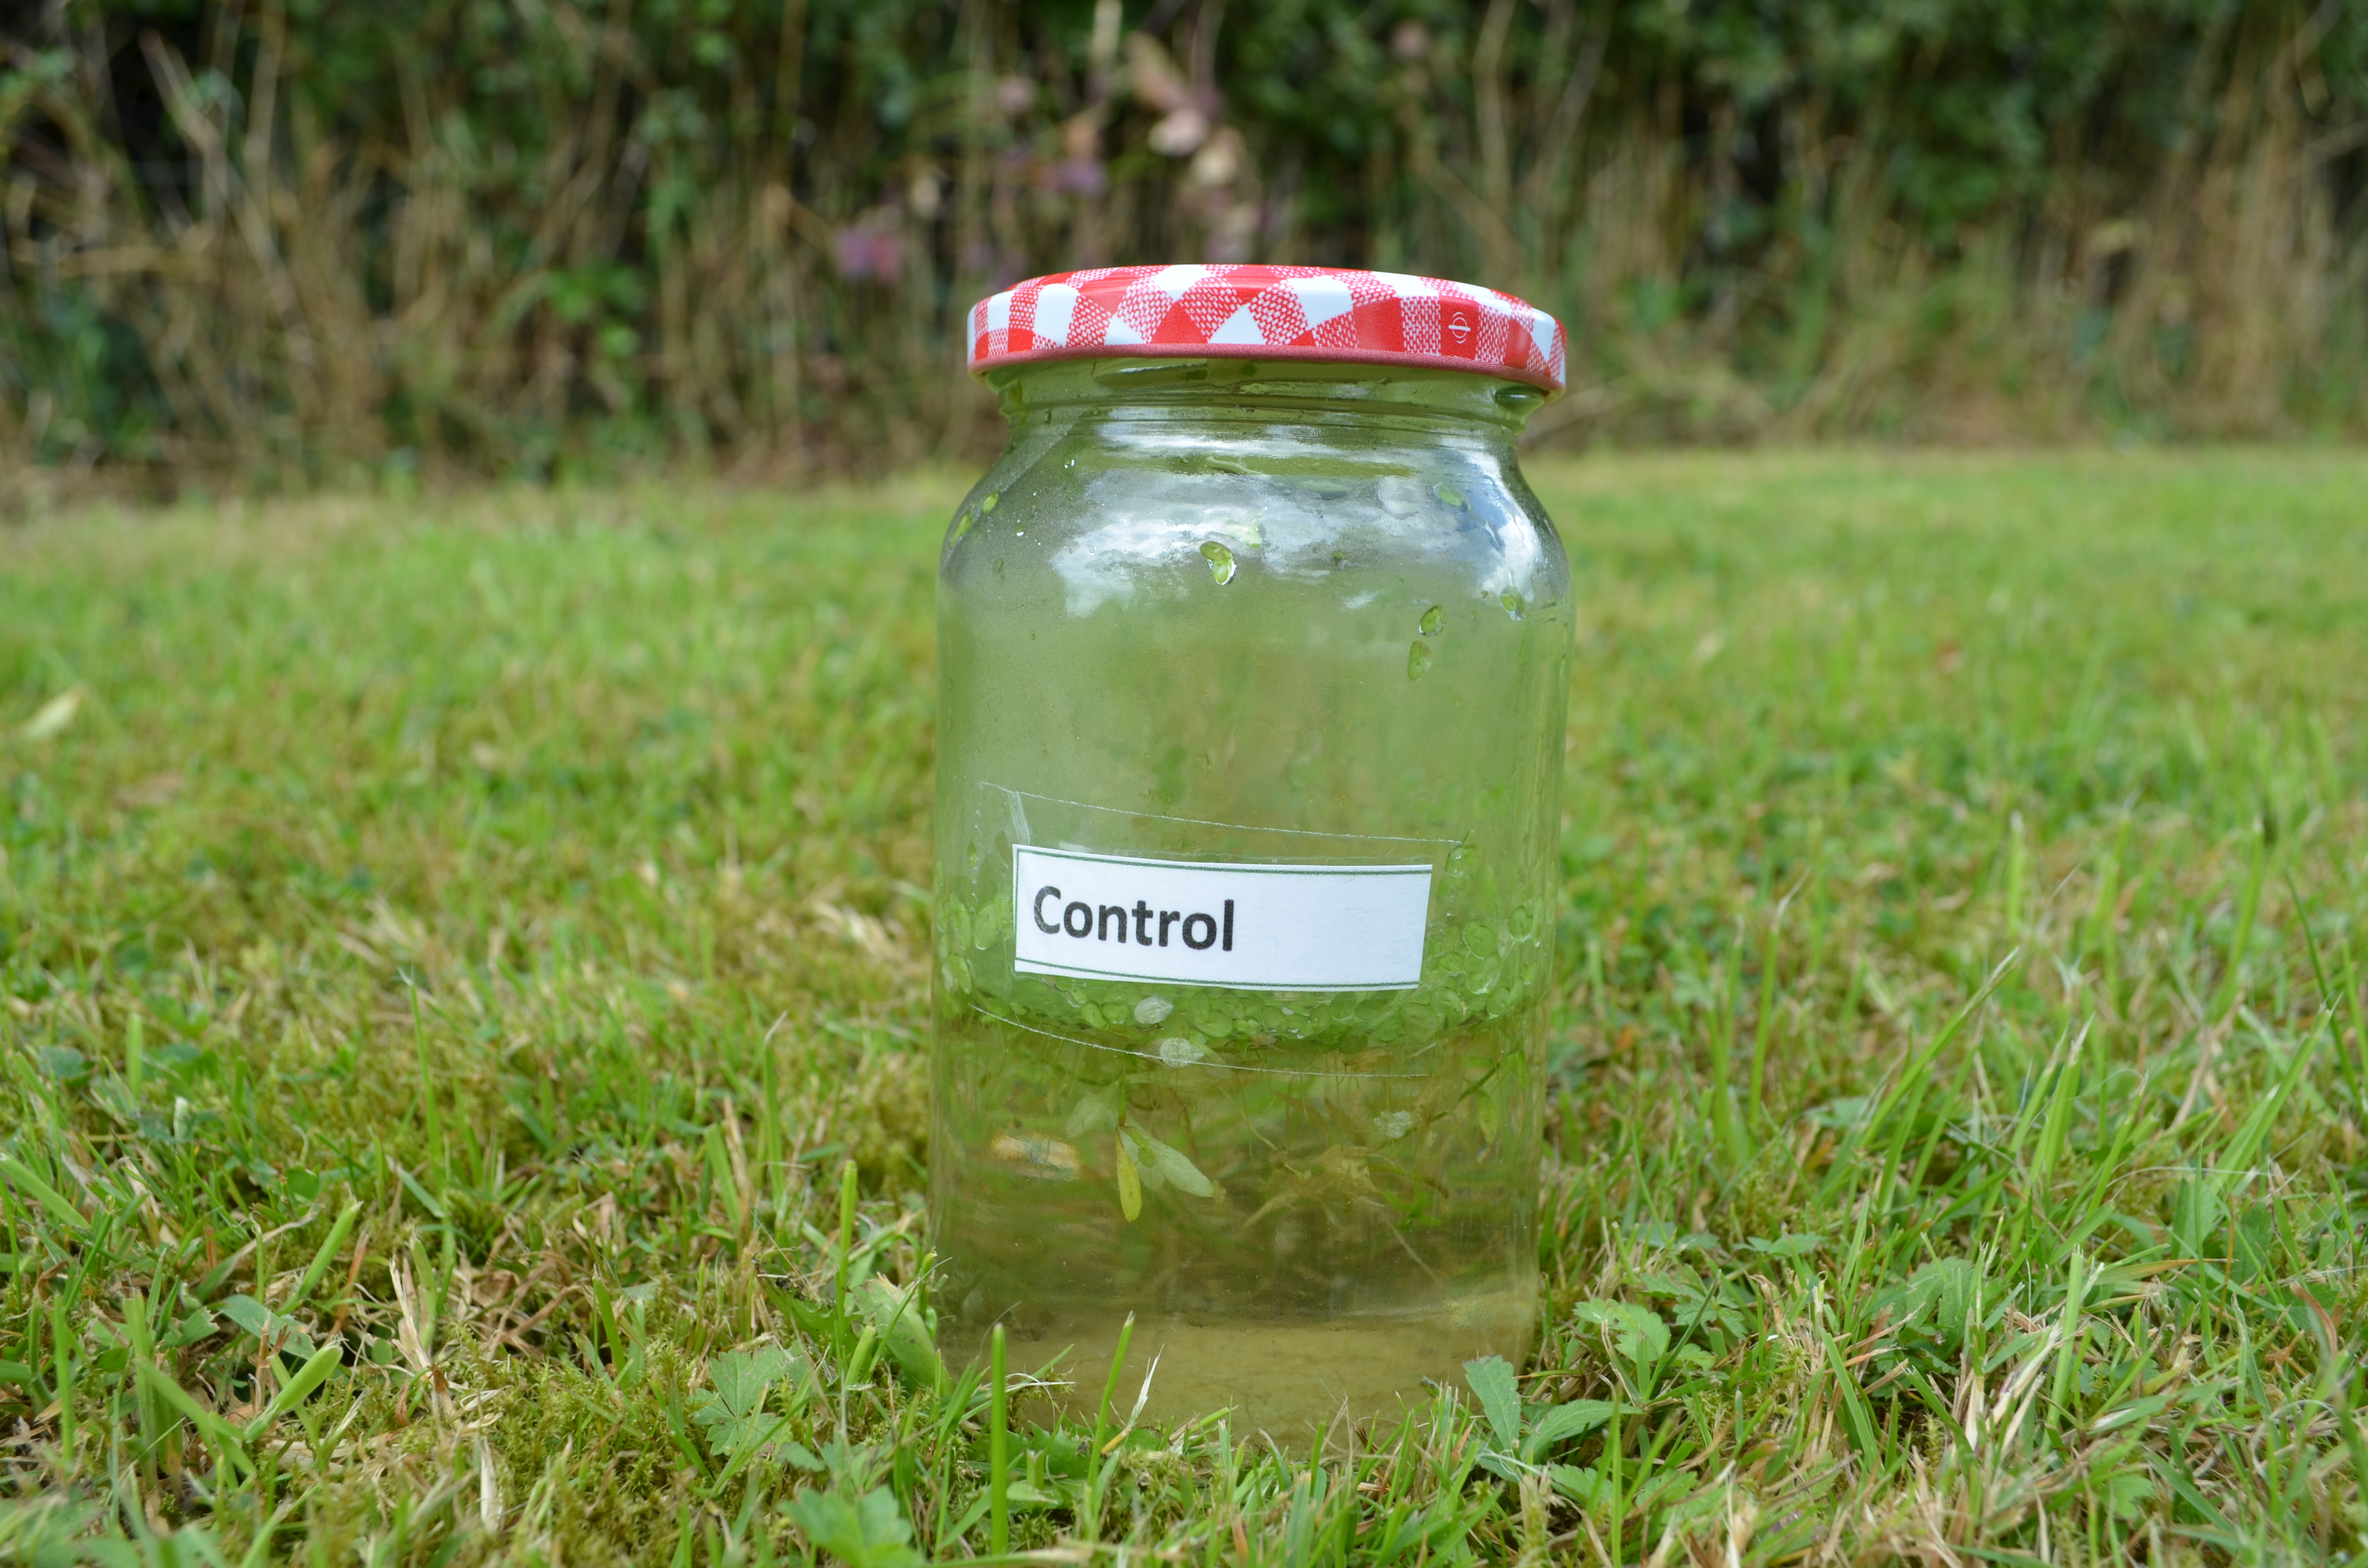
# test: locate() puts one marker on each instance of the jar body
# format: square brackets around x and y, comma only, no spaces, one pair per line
[1215,620]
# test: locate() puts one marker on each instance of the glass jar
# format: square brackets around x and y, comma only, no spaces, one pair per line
[1253,662]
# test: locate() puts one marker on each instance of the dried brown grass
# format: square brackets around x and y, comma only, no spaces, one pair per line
[317,309]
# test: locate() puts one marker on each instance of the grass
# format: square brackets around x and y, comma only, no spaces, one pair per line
[451,952]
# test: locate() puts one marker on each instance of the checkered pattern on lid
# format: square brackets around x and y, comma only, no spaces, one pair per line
[1268,312]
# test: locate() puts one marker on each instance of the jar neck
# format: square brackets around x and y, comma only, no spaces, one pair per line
[1456,406]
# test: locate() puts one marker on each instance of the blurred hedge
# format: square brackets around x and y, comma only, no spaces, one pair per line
[309,238]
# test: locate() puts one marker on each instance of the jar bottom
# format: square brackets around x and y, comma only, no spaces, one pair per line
[1299,1234]
[1282,1377]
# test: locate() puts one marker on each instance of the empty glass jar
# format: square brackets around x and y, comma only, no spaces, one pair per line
[1252,661]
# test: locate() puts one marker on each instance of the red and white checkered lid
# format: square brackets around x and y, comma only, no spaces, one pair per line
[1268,312]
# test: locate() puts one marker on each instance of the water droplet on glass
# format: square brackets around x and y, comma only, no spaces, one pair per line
[1221,562]
[1153,1010]
[987,504]
[1431,621]
[1513,603]
[961,525]
[1417,660]
[1399,496]
[1449,494]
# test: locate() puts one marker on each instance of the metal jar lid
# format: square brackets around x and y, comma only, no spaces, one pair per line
[1331,313]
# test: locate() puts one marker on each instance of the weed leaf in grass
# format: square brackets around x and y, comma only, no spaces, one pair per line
[198,1324]
[62,1062]
[1941,1294]
[1561,1424]
[1801,1245]
[1699,1303]
[1493,1384]
[1024,1494]
[1582,1484]
[266,1326]
[2196,1214]
[733,1407]
[865,1533]
[1523,1439]
[1638,1335]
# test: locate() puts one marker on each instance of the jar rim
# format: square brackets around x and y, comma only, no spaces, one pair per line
[1323,314]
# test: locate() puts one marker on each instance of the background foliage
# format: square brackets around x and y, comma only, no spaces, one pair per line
[316,240]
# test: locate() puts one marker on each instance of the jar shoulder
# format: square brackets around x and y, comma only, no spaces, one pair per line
[1115,511]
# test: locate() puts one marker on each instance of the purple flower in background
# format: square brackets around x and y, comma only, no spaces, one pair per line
[1084,177]
[870,251]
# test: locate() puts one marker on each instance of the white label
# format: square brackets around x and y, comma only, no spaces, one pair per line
[1253,927]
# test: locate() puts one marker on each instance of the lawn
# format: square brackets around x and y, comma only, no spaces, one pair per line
[453,953]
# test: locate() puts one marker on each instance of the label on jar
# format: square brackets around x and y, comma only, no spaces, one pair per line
[1261,927]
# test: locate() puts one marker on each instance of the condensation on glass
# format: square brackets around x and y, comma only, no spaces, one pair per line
[1252,682]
